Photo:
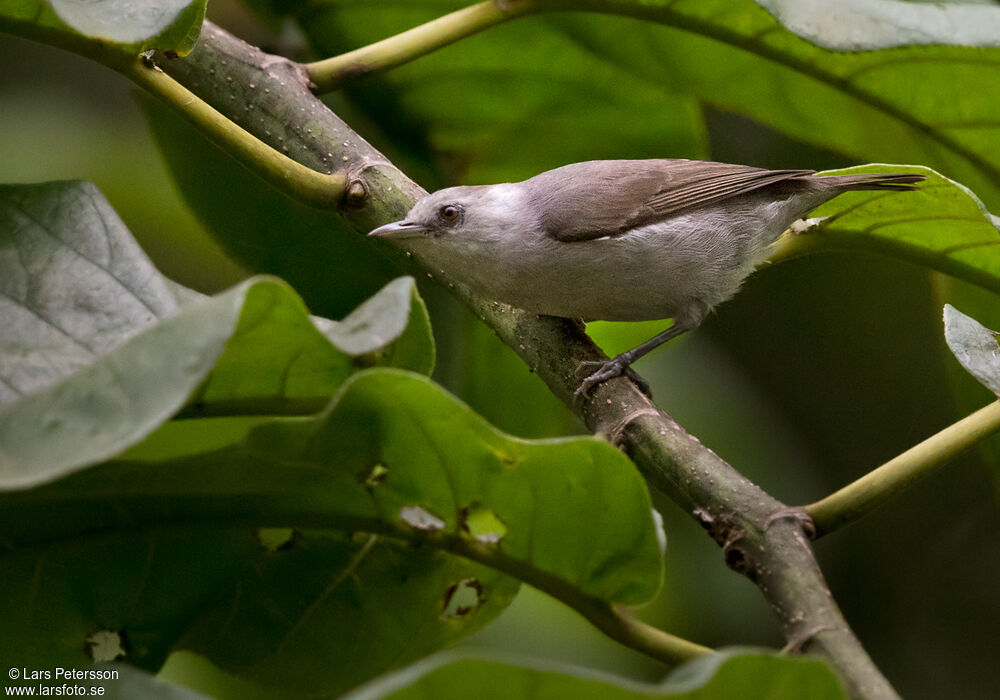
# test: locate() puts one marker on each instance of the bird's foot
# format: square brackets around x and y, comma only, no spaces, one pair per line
[609,369]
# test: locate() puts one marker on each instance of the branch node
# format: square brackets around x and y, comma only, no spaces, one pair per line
[615,433]
[797,514]
[357,194]
[736,559]
[799,640]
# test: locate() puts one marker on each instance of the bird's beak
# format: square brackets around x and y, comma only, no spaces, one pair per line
[399,229]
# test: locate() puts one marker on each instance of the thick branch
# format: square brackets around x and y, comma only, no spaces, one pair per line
[856,500]
[761,537]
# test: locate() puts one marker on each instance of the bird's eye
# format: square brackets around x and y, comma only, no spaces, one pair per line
[450,214]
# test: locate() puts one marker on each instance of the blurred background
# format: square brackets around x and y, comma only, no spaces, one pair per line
[819,370]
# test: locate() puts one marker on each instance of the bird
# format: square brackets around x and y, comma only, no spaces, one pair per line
[620,240]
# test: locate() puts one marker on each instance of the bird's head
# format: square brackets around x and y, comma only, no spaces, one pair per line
[459,216]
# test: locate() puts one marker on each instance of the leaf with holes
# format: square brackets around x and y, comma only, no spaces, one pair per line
[393,455]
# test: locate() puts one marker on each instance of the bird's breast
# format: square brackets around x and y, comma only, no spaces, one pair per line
[652,272]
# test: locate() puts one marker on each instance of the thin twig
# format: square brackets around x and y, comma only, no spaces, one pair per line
[860,498]
[288,176]
[330,73]
[615,621]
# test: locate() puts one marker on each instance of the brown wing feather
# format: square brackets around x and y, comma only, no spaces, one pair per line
[589,200]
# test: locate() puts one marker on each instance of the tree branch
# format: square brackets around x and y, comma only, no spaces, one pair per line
[330,73]
[286,175]
[761,538]
[858,499]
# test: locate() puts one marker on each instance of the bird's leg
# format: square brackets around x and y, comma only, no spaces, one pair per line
[621,364]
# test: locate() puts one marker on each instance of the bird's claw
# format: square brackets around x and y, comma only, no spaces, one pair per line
[609,369]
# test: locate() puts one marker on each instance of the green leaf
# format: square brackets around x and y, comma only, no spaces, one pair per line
[278,362]
[732,54]
[273,617]
[120,682]
[132,684]
[943,226]
[100,353]
[394,323]
[394,455]
[117,400]
[334,611]
[73,284]
[868,104]
[92,28]
[734,674]
[975,346]
[436,464]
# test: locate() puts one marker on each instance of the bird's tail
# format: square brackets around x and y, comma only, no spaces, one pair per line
[874,181]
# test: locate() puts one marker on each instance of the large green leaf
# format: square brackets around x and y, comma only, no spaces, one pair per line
[161,547]
[73,284]
[942,226]
[279,360]
[107,29]
[98,351]
[393,455]
[923,103]
[321,613]
[508,103]
[919,104]
[735,674]
[219,344]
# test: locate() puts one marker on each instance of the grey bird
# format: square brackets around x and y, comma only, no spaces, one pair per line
[620,240]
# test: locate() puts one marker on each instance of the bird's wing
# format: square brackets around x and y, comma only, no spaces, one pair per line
[594,199]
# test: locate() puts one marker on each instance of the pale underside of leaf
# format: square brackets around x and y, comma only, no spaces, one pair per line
[865,25]
[74,285]
[120,21]
[975,347]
